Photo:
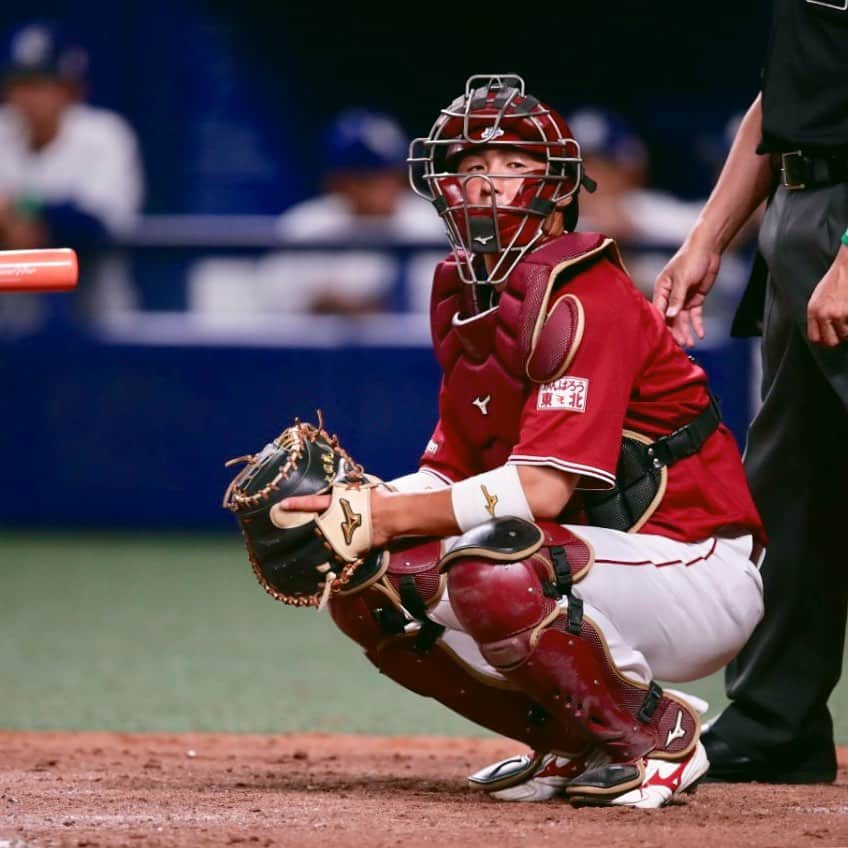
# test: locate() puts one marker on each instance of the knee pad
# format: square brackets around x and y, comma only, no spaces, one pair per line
[505,579]
[407,583]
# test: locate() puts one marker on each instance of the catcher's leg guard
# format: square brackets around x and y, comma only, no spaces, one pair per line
[503,582]
[419,658]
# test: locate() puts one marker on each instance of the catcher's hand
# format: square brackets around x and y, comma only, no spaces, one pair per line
[302,557]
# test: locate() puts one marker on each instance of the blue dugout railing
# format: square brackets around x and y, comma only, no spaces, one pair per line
[127,421]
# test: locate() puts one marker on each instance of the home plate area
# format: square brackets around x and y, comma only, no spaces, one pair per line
[115,789]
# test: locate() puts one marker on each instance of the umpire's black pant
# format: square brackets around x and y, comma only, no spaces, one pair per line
[797,463]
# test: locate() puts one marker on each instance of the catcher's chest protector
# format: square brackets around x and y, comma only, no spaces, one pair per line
[491,359]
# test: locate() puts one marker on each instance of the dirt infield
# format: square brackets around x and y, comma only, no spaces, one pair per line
[100,789]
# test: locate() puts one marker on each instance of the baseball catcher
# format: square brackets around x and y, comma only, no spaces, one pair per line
[579,525]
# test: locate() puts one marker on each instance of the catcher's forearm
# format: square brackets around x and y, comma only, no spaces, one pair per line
[420,513]
[529,492]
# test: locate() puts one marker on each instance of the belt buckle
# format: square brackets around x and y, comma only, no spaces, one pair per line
[790,179]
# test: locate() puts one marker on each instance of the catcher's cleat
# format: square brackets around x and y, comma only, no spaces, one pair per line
[529,777]
[646,784]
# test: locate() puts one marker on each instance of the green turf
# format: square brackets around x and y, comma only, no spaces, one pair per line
[173,633]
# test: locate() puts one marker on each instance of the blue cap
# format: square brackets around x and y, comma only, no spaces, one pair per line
[43,49]
[606,135]
[358,140]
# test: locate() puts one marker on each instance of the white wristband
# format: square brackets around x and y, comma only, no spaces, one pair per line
[418,481]
[494,494]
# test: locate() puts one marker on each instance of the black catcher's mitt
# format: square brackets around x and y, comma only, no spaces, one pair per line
[301,558]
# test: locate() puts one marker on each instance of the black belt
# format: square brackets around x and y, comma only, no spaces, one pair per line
[799,170]
[639,468]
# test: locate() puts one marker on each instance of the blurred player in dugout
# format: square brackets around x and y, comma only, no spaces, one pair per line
[365,197]
[70,173]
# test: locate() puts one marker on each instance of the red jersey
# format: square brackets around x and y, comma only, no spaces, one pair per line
[628,373]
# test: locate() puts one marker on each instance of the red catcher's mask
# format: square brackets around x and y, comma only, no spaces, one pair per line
[496,112]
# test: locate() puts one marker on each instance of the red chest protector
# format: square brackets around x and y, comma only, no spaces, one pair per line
[491,359]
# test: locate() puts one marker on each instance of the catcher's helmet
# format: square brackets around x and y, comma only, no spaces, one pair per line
[496,112]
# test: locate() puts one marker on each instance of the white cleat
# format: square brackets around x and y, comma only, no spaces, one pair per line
[661,782]
[665,780]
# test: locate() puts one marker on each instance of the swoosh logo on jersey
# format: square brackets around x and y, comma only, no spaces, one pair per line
[677,731]
[353,520]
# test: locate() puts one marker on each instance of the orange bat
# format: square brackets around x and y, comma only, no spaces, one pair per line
[38,270]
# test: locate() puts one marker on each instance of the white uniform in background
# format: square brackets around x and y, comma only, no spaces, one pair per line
[94,163]
[355,272]
[361,156]
[287,281]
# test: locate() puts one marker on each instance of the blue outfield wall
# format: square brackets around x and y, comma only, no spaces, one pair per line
[101,434]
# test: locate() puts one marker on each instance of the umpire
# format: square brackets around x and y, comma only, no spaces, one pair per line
[792,148]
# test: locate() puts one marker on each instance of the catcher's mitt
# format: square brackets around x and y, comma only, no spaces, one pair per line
[300,558]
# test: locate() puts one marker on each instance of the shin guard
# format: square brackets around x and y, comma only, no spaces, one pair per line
[376,617]
[506,600]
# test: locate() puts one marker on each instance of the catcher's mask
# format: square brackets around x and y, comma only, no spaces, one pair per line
[495,113]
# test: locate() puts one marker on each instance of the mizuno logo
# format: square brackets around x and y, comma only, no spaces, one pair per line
[483,239]
[491,501]
[482,404]
[488,133]
[677,731]
[353,520]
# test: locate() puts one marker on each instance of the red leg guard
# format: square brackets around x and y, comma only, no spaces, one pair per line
[369,616]
[564,664]
[441,675]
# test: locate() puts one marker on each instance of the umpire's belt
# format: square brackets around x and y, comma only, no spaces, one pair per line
[799,170]
[686,440]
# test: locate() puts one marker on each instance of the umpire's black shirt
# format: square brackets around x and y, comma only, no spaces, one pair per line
[805,79]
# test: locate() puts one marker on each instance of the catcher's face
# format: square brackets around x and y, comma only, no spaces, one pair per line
[501,172]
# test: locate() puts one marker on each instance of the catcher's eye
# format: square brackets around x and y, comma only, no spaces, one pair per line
[471,165]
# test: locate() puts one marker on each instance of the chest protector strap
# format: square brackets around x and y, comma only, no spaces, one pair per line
[641,473]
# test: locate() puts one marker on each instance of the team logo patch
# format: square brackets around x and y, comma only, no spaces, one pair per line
[566,393]
[432,447]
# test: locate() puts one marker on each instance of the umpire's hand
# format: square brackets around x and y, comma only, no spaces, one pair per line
[827,311]
[682,287]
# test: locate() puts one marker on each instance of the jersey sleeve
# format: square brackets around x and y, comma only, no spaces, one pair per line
[575,423]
